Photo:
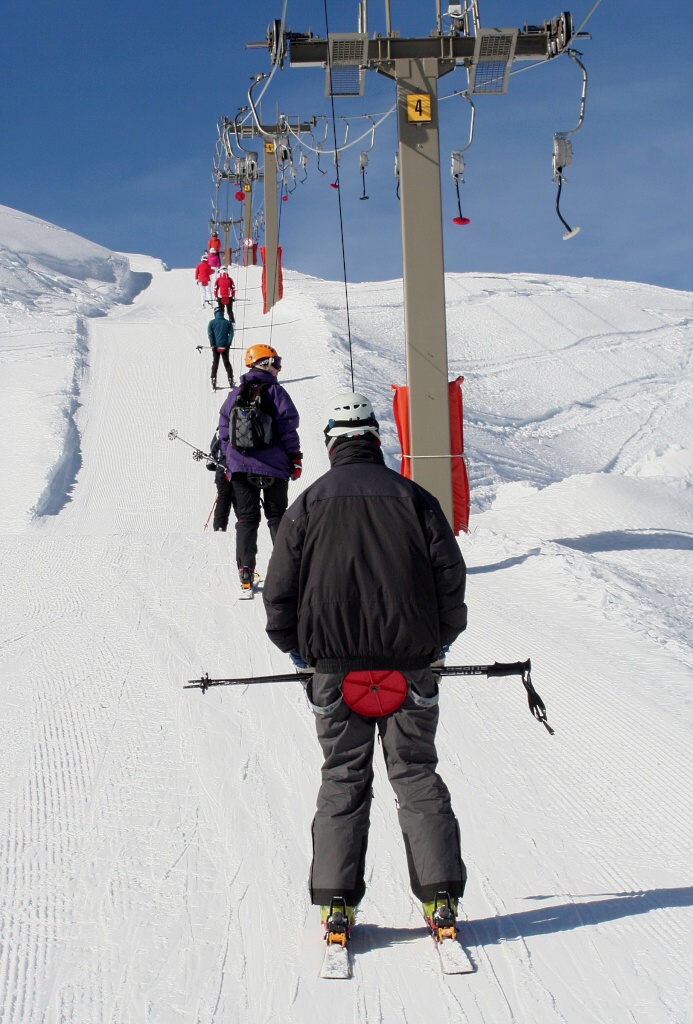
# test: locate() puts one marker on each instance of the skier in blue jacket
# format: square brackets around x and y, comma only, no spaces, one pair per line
[220,335]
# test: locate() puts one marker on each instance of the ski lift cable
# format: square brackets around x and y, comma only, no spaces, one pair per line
[354,142]
[339,200]
[281,35]
[584,22]
[258,127]
[251,112]
[575,56]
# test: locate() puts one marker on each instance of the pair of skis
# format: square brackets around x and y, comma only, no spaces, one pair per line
[452,956]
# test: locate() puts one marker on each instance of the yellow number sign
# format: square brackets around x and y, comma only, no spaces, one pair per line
[419,107]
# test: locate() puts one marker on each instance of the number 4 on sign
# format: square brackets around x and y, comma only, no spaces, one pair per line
[419,107]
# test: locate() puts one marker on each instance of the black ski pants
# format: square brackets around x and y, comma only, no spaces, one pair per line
[222,509]
[247,504]
[216,354]
[227,309]
[340,827]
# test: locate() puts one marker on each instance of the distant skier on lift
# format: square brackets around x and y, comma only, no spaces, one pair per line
[203,275]
[225,293]
[220,335]
[365,588]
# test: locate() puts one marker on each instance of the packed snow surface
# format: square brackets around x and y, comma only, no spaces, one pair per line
[155,842]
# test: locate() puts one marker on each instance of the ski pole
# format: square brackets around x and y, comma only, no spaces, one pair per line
[205,683]
[214,505]
[515,668]
[499,668]
[198,454]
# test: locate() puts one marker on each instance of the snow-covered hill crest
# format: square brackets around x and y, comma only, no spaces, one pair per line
[46,268]
[50,281]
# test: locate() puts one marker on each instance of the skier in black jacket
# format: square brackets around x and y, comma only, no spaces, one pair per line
[366,574]
[222,507]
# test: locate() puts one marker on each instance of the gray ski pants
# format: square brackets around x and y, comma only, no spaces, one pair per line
[340,827]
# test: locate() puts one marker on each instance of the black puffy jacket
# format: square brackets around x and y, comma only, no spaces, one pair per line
[365,570]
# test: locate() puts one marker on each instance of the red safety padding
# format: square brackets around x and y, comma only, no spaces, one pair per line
[280,279]
[460,481]
[374,693]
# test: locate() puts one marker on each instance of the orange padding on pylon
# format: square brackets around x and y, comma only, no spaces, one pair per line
[280,279]
[460,481]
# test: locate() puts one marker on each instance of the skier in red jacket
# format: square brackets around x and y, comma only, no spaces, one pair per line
[225,292]
[203,276]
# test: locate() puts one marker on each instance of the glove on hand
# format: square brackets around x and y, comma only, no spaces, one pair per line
[442,655]
[297,460]
[298,662]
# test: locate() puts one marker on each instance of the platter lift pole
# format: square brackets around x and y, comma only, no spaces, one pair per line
[415,65]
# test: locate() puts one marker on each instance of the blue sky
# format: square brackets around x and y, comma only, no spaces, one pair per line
[109,118]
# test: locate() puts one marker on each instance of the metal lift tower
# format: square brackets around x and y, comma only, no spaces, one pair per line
[273,134]
[415,65]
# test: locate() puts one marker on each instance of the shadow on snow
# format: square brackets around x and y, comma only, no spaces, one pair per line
[542,921]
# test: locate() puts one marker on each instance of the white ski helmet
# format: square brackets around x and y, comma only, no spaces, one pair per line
[349,415]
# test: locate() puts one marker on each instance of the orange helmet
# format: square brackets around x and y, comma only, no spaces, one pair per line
[257,352]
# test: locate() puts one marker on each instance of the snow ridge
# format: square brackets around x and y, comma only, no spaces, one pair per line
[51,281]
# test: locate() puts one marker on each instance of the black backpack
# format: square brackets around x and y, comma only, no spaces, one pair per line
[249,425]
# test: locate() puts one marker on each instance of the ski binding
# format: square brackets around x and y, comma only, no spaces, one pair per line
[337,960]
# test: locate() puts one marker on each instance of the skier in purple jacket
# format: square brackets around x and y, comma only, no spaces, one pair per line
[266,469]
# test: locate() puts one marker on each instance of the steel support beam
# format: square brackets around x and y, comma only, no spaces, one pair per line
[315,52]
[423,274]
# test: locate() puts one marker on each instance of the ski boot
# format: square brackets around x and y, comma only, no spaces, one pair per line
[231,382]
[214,383]
[246,577]
[440,914]
[337,920]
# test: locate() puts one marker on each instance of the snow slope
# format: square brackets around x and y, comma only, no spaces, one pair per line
[51,282]
[154,842]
